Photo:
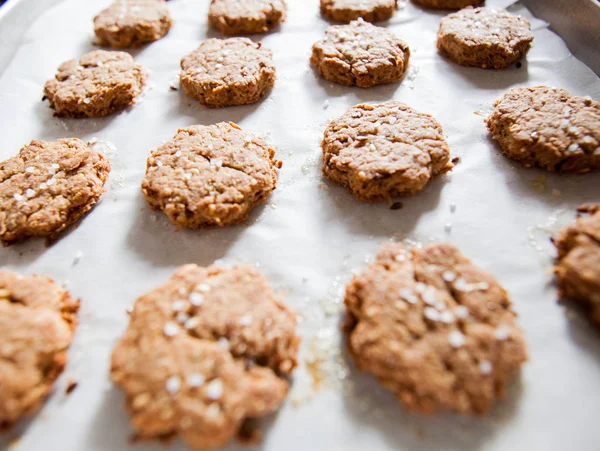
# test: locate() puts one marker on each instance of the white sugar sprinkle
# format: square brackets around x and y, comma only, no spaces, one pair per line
[456,339]
[196,299]
[43,186]
[178,153]
[502,333]
[447,317]
[173,384]
[77,257]
[407,294]
[30,169]
[195,380]
[448,276]
[178,305]
[50,181]
[448,227]
[460,284]
[246,320]
[203,288]
[191,323]
[55,166]
[218,162]
[461,312]
[400,258]
[224,343]
[171,329]
[18,197]
[182,317]
[573,148]
[30,192]
[431,313]
[326,104]
[429,296]
[87,100]
[159,163]
[485,367]
[214,389]
[420,287]
[187,176]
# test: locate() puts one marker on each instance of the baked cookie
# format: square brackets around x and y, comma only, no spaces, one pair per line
[210,175]
[360,54]
[203,352]
[433,328]
[549,128]
[98,84]
[385,150]
[348,10]
[37,323]
[48,186]
[578,262]
[249,16]
[484,37]
[448,4]
[226,72]
[132,23]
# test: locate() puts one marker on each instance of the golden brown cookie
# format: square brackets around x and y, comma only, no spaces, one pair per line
[484,37]
[203,352]
[232,17]
[360,54]
[348,10]
[448,4]
[132,23]
[210,175]
[37,323]
[48,186]
[385,150]
[549,128]
[226,72]
[433,328]
[578,262]
[98,84]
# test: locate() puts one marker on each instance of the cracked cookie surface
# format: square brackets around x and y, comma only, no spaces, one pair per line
[97,84]
[232,17]
[578,263]
[348,10]
[484,37]
[132,23]
[203,352]
[226,72]
[549,128]
[37,323]
[210,175]
[448,4]
[48,186]
[433,328]
[360,54]
[381,151]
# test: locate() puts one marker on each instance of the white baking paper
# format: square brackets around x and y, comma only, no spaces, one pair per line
[311,234]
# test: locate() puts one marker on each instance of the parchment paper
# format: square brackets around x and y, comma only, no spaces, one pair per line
[311,234]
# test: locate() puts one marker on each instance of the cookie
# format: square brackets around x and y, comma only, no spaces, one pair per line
[37,323]
[48,186]
[360,54]
[132,23]
[578,263]
[232,17]
[381,151]
[484,37]
[349,10]
[434,329]
[98,84]
[226,72]
[203,352]
[210,175]
[549,128]
[448,4]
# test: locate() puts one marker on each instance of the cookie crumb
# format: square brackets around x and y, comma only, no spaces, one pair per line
[71,386]
[396,206]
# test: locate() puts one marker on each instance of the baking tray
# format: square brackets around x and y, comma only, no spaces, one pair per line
[311,235]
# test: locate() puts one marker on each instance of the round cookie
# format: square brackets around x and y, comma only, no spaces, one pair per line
[549,128]
[226,72]
[360,54]
[578,263]
[210,175]
[98,84]
[203,352]
[48,186]
[232,17]
[348,10]
[448,4]
[132,23]
[385,150]
[484,37]
[433,328]
[37,323]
